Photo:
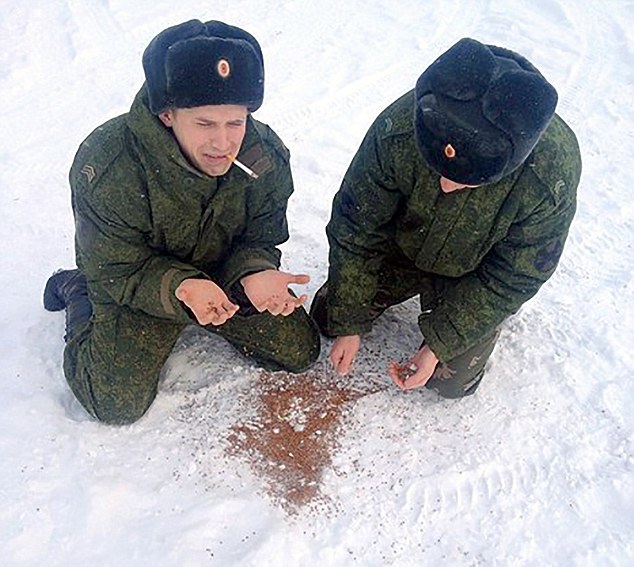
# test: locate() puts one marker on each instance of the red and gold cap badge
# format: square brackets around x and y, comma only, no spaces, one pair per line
[450,151]
[223,68]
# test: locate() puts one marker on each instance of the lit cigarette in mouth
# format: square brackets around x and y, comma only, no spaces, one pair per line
[243,167]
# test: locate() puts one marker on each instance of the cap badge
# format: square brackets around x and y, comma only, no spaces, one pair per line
[450,151]
[223,68]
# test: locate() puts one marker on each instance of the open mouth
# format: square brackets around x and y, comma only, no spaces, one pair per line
[215,159]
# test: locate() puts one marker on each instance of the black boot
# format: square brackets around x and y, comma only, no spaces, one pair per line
[68,289]
[319,312]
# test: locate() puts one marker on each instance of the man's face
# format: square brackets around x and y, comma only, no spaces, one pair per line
[449,186]
[207,134]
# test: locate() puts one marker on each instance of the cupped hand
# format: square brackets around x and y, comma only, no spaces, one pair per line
[268,291]
[416,372]
[343,352]
[207,301]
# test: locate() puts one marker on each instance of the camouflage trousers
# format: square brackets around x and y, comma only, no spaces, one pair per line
[113,362]
[454,378]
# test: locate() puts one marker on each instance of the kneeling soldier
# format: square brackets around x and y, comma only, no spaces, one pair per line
[179,207]
[462,193]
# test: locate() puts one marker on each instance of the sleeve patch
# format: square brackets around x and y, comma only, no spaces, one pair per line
[256,159]
[89,171]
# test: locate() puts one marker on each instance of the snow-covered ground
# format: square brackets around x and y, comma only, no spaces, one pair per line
[536,469]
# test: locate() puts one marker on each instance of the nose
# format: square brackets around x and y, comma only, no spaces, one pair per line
[220,139]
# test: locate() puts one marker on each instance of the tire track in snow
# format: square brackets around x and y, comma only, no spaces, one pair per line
[603,53]
[452,493]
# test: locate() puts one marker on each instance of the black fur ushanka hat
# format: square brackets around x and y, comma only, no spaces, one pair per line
[480,110]
[196,64]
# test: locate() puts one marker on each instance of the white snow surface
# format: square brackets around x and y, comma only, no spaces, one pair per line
[535,469]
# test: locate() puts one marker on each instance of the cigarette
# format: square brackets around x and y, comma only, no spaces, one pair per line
[243,167]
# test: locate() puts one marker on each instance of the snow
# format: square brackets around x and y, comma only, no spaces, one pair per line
[535,469]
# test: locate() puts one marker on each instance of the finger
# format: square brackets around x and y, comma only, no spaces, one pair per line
[416,380]
[394,372]
[231,312]
[340,367]
[300,300]
[290,298]
[261,306]
[291,303]
[206,318]
[403,375]
[218,318]
[229,308]
[181,295]
[335,359]
[272,305]
[299,278]
[289,307]
[344,363]
[203,319]
[276,307]
[268,305]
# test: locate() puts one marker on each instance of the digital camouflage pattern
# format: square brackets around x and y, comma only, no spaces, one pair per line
[398,282]
[113,365]
[145,221]
[476,255]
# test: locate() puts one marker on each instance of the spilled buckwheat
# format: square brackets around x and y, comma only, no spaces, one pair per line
[292,438]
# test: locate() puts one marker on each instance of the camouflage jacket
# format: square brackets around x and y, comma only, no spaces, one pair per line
[145,219]
[493,246]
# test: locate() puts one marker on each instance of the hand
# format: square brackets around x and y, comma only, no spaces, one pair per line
[268,291]
[207,301]
[343,352]
[416,372]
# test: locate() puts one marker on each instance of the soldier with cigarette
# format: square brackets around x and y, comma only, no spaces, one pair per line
[462,194]
[180,206]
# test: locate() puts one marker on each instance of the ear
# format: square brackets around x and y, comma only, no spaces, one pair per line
[167,117]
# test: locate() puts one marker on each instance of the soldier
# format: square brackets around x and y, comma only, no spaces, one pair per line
[179,206]
[462,192]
